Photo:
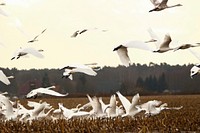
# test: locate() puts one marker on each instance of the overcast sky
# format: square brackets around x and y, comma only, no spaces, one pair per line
[124,20]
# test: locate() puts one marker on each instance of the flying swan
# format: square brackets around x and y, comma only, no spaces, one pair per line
[161,5]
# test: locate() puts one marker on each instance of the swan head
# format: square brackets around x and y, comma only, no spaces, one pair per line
[194,70]
[179,5]
[41,50]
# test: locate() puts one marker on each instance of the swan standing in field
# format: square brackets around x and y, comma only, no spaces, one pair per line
[123,52]
[130,107]
[161,5]
[73,68]
[4,78]
[35,38]
[25,51]
[47,91]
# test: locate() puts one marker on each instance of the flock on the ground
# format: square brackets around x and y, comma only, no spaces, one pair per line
[95,108]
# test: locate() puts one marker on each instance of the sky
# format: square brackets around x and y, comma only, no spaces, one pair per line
[123,20]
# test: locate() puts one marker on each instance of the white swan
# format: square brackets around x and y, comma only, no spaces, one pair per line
[47,91]
[154,107]
[123,52]
[161,5]
[130,107]
[162,45]
[69,113]
[73,68]
[150,107]
[109,109]
[97,109]
[25,51]
[78,32]
[186,46]
[35,38]
[195,70]
[4,78]
[9,112]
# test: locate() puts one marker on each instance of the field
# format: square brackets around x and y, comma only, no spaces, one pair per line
[183,120]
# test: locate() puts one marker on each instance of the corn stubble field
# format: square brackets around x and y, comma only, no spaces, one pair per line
[185,119]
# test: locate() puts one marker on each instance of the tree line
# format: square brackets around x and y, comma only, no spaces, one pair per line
[144,79]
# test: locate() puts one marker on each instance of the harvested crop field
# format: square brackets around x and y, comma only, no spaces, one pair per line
[185,119]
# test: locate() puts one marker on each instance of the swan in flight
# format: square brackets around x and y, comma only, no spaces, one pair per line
[35,38]
[123,52]
[154,107]
[35,92]
[111,108]
[161,5]
[186,46]
[4,78]
[73,68]
[130,107]
[78,32]
[195,70]
[25,51]
[70,113]
[162,45]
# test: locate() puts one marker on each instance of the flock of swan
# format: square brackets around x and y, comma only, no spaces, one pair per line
[95,108]
[99,108]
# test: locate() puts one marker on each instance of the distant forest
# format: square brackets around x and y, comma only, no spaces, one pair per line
[149,79]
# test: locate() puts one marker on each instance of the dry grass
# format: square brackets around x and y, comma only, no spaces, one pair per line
[186,119]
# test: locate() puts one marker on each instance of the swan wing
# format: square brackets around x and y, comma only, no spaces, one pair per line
[123,56]
[134,102]
[75,33]
[137,44]
[86,70]
[197,55]
[51,92]
[3,78]
[163,3]
[166,41]
[125,102]
[32,51]
[2,12]
[155,2]
[154,37]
